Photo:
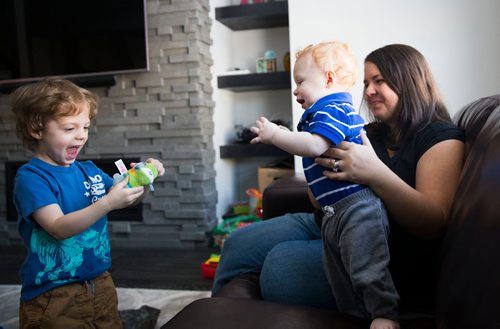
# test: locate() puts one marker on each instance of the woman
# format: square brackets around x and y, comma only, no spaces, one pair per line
[412,160]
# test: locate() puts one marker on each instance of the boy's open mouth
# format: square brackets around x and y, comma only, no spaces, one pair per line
[72,152]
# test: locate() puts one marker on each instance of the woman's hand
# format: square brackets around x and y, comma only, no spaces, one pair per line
[356,163]
[421,210]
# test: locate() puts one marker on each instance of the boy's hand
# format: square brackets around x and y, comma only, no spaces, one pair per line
[265,131]
[120,196]
[158,165]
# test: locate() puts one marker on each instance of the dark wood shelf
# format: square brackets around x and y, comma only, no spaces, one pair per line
[255,81]
[254,16]
[235,151]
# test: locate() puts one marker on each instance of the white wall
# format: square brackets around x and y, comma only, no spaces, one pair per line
[221,53]
[240,49]
[459,38]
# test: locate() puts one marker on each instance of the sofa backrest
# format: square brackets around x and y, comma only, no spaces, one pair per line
[469,279]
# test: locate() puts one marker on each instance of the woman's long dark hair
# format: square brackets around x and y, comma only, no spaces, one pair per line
[408,74]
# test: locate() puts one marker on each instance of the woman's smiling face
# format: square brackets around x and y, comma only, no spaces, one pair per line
[381,99]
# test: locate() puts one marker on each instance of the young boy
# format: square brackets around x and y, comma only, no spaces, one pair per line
[63,205]
[355,226]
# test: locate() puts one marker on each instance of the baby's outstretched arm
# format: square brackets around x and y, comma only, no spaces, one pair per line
[265,131]
[295,142]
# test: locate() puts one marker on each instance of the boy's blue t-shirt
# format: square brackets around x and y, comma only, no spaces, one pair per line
[51,262]
[335,118]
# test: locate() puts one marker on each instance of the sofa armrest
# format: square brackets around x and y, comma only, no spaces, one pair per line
[230,313]
[286,195]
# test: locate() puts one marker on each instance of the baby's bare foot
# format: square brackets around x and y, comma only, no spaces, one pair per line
[382,323]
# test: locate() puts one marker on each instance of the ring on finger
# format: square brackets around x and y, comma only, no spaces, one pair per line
[335,167]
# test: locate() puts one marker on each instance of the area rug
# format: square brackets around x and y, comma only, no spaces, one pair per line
[169,302]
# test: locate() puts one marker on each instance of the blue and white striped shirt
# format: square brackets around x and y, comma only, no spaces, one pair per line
[335,118]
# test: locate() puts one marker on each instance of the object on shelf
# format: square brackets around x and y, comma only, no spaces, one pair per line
[286,61]
[209,266]
[267,63]
[244,136]
[236,71]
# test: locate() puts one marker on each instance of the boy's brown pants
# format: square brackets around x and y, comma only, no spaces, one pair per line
[91,304]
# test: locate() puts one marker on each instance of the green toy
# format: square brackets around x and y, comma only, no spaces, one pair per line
[141,174]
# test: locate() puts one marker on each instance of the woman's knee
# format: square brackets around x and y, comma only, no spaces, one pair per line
[237,239]
[287,273]
[291,263]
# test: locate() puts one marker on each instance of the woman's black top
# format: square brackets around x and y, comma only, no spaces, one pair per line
[413,261]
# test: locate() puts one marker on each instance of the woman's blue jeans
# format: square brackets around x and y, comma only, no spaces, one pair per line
[287,251]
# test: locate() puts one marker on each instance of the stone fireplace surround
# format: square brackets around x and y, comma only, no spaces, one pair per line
[165,113]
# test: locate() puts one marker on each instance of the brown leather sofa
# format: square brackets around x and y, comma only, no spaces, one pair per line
[469,281]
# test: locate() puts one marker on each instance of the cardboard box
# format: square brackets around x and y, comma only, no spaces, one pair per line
[269,174]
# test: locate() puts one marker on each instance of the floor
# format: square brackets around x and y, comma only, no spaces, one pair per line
[164,279]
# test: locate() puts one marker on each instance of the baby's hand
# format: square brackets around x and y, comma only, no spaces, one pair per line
[265,131]
[120,197]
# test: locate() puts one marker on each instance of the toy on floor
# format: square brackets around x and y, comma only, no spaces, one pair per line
[228,225]
[142,174]
[209,267]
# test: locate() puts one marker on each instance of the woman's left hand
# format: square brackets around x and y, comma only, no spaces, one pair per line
[355,163]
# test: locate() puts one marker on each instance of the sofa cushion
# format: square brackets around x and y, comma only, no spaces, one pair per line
[469,287]
[223,312]
[286,194]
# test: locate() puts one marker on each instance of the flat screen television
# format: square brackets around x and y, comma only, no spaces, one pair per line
[71,39]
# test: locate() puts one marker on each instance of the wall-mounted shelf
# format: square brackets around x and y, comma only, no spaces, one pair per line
[235,151]
[255,81]
[254,16]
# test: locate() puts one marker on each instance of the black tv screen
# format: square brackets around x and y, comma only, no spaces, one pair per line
[65,38]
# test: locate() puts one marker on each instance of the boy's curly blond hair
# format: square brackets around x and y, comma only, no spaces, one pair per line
[336,57]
